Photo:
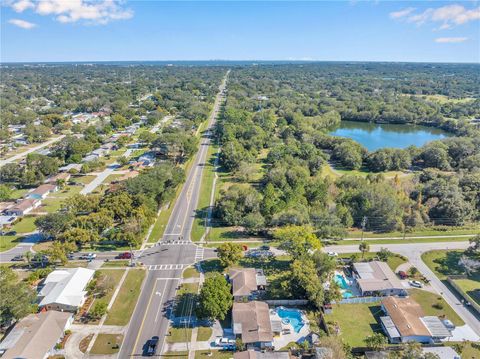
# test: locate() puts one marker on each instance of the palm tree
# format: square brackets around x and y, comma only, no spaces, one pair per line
[28,257]
[364,247]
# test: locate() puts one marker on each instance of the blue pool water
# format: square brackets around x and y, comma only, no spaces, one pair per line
[341,281]
[293,316]
[347,294]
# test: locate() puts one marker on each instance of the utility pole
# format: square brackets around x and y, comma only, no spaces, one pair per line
[364,223]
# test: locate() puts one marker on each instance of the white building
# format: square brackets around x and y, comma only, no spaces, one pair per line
[64,289]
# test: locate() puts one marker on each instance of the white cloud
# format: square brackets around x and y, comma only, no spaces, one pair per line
[70,11]
[450,40]
[22,23]
[402,13]
[449,16]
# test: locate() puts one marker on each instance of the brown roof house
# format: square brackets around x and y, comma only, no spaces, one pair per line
[254,354]
[405,321]
[42,191]
[35,336]
[23,207]
[247,283]
[63,176]
[251,323]
[376,278]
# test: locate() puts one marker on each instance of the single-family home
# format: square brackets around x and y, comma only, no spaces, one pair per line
[90,158]
[247,283]
[64,176]
[376,278]
[405,321]
[72,166]
[126,176]
[251,323]
[255,354]
[35,336]
[23,207]
[6,221]
[65,289]
[42,191]
[442,352]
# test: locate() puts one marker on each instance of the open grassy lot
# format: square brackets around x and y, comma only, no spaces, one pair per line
[107,344]
[404,241]
[82,179]
[204,333]
[220,233]
[25,225]
[110,278]
[467,350]
[51,205]
[434,231]
[443,262]
[124,304]
[393,261]
[433,304]
[18,193]
[179,335]
[356,321]
[8,242]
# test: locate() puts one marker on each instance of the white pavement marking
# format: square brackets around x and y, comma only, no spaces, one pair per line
[199,254]
[158,267]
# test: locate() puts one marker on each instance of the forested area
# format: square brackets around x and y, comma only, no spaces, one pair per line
[279,117]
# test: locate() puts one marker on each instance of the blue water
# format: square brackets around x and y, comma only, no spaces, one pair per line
[293,315]
[341,281]
[347,294]
[374,136]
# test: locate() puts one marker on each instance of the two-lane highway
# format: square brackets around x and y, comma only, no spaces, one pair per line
[167,259]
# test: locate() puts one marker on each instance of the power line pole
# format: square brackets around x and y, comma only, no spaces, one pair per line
[364,223]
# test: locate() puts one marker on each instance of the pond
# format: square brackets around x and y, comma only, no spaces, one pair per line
[374,136]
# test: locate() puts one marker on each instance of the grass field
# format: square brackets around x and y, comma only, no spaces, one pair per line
[427,300]
[179,335]
[191,272]
[204,334]
[185,295]
[443,262]
[83,179]
[356,321]
[107,344]
[471,287]
[18,193]
[115,263]
[112,277]
[403,241]
[124,304]
[8,242]
[215,354]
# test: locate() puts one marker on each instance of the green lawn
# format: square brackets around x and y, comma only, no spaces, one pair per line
[204,334]
[443,262]
[471,287]
[226,234]
[179,335]
[191,272]
[116,263]
[83,179]
[215,354]
[8,242]
[427,300]
[107,344]
[18,193]
[393,261]
[468,350]
[185,295]
[435,231]
[51,205]
[25,225]
[403,241]
[124,305]
[356,321]
[112,278]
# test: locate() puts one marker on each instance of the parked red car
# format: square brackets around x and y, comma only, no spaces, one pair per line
[402,275]
[124,255]
[244,247]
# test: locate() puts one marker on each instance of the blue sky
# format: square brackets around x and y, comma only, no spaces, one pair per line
[106,30]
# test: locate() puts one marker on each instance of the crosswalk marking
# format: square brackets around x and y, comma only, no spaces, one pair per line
[171,243]
[165,266]
[199,254]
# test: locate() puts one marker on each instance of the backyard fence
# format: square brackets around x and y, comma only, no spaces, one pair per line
[358,300]
[451,281]
[292,302]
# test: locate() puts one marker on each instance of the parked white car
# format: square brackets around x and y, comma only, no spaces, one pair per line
[225,342]
[89,256]
[415,283]
[332,254]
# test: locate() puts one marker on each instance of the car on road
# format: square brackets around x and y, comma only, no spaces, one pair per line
[18,258]
[124,255]
[264,248]
[332,254]
[88,256]
[151,346]
[225,343]
[415,283]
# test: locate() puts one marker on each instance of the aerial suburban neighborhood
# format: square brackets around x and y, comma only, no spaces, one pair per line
[247,209]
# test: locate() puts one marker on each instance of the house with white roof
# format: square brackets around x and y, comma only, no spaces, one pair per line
[65,289]
[376,278]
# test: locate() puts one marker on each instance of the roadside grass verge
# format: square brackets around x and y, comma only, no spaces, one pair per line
[191,272]
[8,242]
[109,279]
[113,263]
[441,231]
[25,225]
[402,241]
[179,335]
[434,304]
[204,333]
[393,261]
[107,344]
[355,321]
[185,295]
[215,354]
[124,304]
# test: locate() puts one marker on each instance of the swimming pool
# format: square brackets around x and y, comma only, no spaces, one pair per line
[291,316]
[347,294]
[341,281]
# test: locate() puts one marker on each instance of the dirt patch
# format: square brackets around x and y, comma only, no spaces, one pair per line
[84,343]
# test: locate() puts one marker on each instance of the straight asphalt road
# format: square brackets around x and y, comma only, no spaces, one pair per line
[413,252]
[166,261]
